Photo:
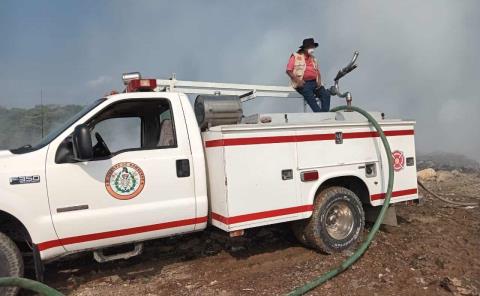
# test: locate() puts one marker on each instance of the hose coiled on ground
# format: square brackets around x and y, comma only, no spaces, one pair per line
[446,200]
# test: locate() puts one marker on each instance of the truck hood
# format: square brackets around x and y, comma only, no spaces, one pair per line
[5,153]
[11,163]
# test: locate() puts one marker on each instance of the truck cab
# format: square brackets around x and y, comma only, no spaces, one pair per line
[144,178]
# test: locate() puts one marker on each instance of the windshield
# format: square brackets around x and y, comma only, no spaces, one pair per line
[56,132]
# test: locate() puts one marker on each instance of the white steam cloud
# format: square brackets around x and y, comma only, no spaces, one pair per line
[418,59]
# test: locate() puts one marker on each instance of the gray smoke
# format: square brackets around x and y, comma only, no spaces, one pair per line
[418,59]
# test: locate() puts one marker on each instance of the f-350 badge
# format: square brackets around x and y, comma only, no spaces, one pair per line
[125,180]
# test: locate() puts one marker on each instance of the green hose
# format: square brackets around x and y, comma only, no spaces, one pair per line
[31,285]
[359,252]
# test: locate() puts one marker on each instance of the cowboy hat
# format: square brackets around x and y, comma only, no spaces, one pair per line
[309,42]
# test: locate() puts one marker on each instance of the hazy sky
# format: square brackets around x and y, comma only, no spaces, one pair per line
[418,59]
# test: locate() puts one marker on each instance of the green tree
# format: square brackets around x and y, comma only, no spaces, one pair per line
[19,127]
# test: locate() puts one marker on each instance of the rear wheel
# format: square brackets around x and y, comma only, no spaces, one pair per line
[11,263]
[337,220]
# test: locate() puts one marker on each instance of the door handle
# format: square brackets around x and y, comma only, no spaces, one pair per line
[183,168]
[72,208]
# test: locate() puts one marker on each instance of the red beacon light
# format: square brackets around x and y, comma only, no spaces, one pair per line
[135,83]
[141,85]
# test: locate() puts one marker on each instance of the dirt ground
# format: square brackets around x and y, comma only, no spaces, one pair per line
[435,250]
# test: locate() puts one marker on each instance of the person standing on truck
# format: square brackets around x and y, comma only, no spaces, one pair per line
[302,68]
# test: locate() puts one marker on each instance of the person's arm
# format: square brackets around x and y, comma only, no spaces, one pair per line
[297,80]
[319,76]
[291,62]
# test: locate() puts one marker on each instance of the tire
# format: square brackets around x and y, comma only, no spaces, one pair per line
[11,263]
[337,220]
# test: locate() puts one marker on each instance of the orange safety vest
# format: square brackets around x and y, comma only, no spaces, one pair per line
[300,66]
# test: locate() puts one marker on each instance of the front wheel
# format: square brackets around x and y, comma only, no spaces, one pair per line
[11,263]
[337,220]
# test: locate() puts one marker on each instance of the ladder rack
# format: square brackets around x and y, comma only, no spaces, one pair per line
[246,92]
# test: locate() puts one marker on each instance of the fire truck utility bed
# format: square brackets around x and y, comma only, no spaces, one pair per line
[307,118]
[265,173]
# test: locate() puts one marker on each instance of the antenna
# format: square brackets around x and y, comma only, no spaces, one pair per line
[41,111]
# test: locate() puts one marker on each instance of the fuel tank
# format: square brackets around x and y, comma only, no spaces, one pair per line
[212,110]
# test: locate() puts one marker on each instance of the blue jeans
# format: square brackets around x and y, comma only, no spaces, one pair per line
[308,93]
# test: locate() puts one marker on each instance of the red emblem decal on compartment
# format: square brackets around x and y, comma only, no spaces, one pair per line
[398,160]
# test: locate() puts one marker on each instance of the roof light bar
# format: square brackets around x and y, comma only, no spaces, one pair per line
[141,85]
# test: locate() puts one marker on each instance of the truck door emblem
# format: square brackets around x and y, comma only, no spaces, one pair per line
[398,160]
[125,180]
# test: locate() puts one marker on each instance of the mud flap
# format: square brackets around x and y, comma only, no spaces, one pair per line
[38,264]
[371,214]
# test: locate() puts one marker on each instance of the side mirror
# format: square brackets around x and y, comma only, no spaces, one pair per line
[82,143]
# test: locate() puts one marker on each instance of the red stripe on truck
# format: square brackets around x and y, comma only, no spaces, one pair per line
[394,194]
[116,233]
[225,220]
[261,215]
[293,210]
[301,138]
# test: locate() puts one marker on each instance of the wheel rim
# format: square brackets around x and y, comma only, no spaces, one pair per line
[339,220]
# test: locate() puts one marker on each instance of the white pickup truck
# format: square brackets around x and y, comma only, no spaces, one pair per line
[143,164]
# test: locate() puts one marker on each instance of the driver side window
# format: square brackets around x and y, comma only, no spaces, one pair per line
[118,134]
[124,126]
[133,125]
